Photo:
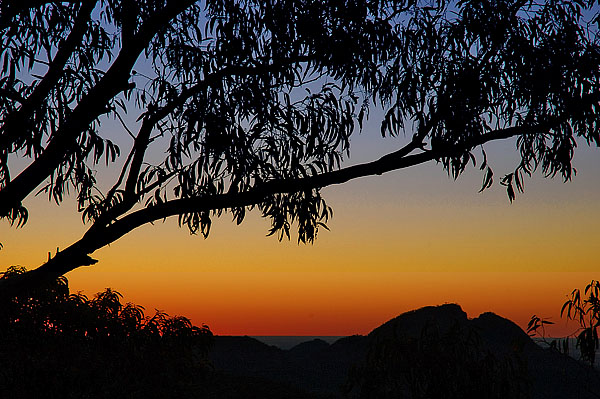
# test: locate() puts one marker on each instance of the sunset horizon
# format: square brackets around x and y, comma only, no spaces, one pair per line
[442,243]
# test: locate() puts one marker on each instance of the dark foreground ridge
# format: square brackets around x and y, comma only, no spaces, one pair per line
[431,352]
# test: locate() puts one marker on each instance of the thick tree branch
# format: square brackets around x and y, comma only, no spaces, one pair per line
[99,236]
[19,120]
[91,106]
[394,161]
[139,152]
[63,262]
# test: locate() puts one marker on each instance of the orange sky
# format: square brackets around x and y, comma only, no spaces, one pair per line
[400,241]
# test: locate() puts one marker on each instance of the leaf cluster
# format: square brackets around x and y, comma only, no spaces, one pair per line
[474,69]
[250,95]
[50,59]
[586,312]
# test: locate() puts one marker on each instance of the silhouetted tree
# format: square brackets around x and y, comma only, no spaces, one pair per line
[583,310]
[254,102]
[587,313]
[59,345]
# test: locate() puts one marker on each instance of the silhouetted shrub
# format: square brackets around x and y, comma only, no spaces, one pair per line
[56,344]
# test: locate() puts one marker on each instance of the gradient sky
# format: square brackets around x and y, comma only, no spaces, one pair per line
[400,241]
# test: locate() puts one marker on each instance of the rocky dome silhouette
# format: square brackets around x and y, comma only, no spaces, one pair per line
[489,350]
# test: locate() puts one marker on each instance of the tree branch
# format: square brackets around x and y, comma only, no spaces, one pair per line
[16,122]
[92,105]
[142,139]
[99,236]
[399,159]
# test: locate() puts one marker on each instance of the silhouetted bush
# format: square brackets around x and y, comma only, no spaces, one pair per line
[57,344]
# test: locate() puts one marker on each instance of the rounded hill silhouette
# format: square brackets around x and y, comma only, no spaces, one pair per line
[432,352]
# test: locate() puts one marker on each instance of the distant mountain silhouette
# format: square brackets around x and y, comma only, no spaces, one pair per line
[315,367]
[309,348]
[400,359]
